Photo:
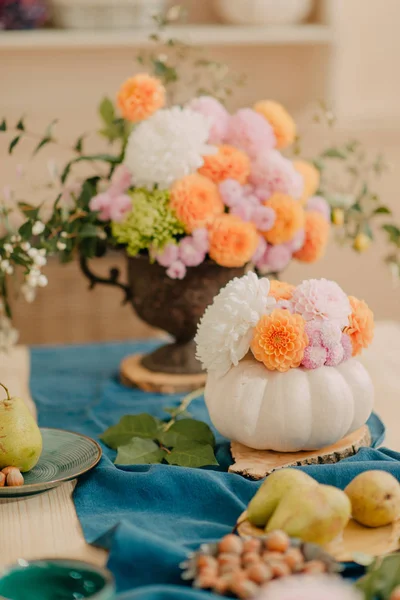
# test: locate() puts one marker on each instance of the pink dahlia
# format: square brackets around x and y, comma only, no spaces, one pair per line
[309,587]
[101,203]
[231,192]
[201,239]
[319,204]
[274,259]
[263,217]
[243,210]
[321,299]
[274,173]
[119,207]
[216,113]
[250,132]
[177,270]
[189,253]
[168,255]
[121,180]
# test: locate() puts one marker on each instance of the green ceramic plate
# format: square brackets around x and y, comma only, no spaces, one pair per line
[66,455]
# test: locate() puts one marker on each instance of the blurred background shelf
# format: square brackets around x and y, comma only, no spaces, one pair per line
[208,35]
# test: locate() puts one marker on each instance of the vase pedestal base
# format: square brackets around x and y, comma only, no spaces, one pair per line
[257,464]
[134,374]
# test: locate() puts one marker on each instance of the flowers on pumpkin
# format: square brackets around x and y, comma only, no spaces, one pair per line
[168,146]
[140,97]
[361,325]
[316,238]
[322,300]
[196,201]
[280,340]
[226,328]
[232,241]
[282,123]
[227,163]
[289,218]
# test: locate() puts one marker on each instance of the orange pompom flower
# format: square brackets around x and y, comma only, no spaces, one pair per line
[289,218]
[310,176]
[280,290]
[280,340]
[227,163]
[196,201]
[282,123]
[316,238]
[139,97]
[361,325]
[232,241]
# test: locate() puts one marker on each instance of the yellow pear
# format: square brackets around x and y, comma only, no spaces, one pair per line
[318,514]
[20,437]
[375,498]
[272,490]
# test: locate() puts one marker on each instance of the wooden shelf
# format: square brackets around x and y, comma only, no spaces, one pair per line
[200,35]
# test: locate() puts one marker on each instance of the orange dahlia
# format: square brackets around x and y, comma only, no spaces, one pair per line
[289,218]
[232,241]
[361,325]
[310,176]
[280,290]
[196,201]
[280,340]
[316,238]
[282,123]
[140,96]
[227,163]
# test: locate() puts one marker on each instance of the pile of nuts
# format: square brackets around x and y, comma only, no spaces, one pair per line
[241,566]
[11,477]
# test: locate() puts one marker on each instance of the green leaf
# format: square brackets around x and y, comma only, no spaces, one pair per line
[20,125]
[334,153]
[130,426]
[139,451]
[3,125]
[13,143]
[187,430]
[382,210]
[368,231]
[78,147]
[382,577]
[394,233]
[29,210]
[107,111]
[49,129]
[43,142]
[25,231]
[177,413]
[89,231]
[192,454]
[108,158]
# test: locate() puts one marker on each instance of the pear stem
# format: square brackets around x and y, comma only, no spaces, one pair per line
[6,390]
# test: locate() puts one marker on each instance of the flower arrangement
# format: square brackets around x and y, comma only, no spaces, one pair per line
[284,327]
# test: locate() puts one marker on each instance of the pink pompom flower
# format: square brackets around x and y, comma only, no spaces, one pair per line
[297,242]
[321,300]
[201,239]
[263,217]
[216,113]
[335,356]
[274,259]
[189,254]
[101,203]
[319,204]
[260,251]
[121,180]
[331,334]
[231,192]
[347,347]
[250,132]
[177,270]
[314,357]
[274,173]
[120,206]
[168,256]
[243,210]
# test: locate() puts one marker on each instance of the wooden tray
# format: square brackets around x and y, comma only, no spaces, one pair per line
[257,464]
[356,539]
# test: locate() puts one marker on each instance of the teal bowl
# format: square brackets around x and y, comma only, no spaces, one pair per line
[56,579]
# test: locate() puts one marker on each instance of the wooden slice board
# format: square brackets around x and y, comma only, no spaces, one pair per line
[257,464]
[134,374]
[356,539]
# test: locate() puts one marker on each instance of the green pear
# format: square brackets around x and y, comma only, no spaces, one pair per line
[20,437]
[272,490]
[318,514]
[375,498]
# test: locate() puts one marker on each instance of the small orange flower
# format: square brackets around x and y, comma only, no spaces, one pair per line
[310,176]
[227,163]
[196,201]
[316,238]
[280,340]
[289,218]
[140,96]
[282,123]
[232,241]
[280,290]
[361,327]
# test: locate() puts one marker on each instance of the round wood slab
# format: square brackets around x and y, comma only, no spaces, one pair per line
[134,374]
[257,464]
[356,539]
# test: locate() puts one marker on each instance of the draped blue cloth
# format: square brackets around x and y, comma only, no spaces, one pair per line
[150,516]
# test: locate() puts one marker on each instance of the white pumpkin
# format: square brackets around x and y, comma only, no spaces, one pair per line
[287,412]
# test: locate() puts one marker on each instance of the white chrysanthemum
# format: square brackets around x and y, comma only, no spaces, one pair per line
[168,146]
[225,332]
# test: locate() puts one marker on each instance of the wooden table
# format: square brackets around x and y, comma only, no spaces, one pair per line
[47,525]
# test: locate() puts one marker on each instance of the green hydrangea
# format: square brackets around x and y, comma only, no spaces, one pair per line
[150,224]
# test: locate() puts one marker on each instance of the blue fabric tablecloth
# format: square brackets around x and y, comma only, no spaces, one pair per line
[149,516]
